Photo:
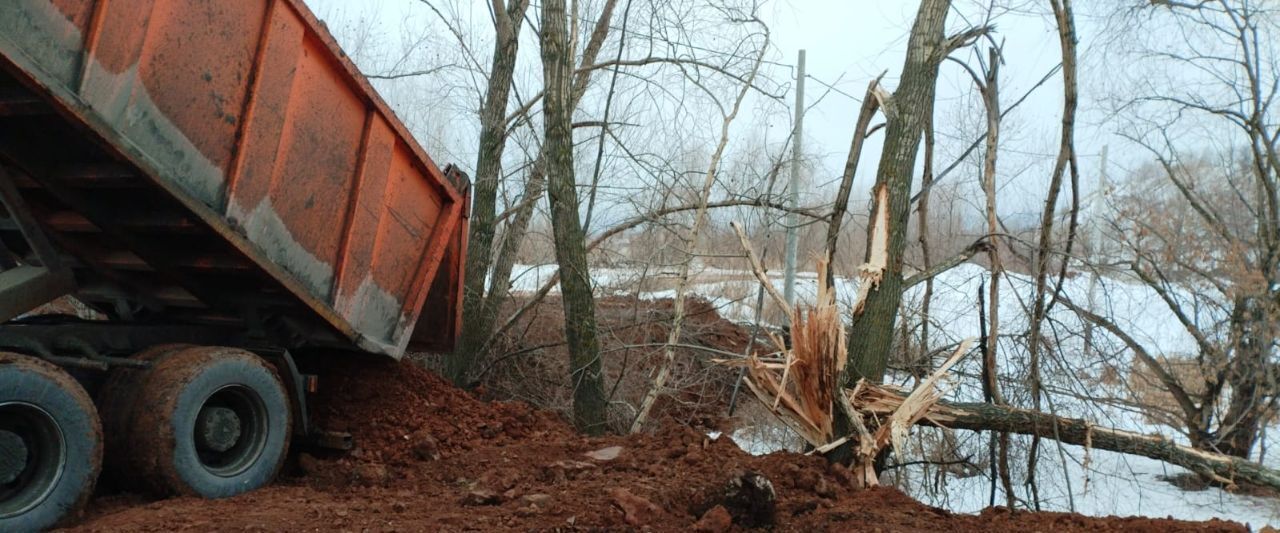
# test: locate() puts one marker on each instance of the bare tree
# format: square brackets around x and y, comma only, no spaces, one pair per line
[1217,268]
[493,140]
[589,404]
[987,81]
[689,240]
[502,259]
[1066,160]
[870,104]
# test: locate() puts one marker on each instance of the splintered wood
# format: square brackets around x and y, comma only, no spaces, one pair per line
[917,404]
[871,272]
[799,388]
[800,383]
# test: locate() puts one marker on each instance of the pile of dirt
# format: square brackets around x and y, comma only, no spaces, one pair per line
[531,361]
[430,457]
[401,413]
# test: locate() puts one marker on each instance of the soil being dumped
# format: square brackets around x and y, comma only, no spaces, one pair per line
[430,457]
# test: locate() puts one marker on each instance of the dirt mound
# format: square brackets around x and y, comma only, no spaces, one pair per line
[531,361]
[401,414]
[434,458]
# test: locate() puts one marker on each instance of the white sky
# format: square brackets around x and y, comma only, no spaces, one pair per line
[848,43]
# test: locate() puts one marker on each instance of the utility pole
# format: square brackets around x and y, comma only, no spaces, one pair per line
[1104,182]
[1096,247]
[793,220]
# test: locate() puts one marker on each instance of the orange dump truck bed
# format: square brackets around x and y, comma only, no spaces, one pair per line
[225,161]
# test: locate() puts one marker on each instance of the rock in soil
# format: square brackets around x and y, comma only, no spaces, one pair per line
[605,454]
[637,511]
[717,520]
[482,497]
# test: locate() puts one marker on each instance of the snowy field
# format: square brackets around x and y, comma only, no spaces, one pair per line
[1098,483]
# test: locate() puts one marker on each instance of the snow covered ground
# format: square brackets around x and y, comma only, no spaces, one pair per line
[1120,485]
[1117,484]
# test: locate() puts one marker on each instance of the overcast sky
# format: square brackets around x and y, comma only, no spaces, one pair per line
[848,43]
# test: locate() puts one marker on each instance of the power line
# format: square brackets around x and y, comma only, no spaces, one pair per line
[723,53]
[687,45]
[834,89]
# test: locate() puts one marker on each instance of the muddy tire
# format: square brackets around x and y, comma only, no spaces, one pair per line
[117,399]
[50,444]
[207,421]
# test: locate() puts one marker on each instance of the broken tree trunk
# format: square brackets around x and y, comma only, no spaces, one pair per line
[871,335]
[882,401]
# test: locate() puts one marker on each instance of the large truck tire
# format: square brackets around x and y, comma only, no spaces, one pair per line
[50,444]
[117,403]
[208,421]
[117,399]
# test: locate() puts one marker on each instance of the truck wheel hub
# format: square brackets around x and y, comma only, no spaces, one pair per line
[13,456]
[32,456]
[217,428]
[231,430]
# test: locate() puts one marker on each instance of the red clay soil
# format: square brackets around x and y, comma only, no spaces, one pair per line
[434,458]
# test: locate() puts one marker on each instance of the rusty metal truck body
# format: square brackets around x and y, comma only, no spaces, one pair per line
[210,173]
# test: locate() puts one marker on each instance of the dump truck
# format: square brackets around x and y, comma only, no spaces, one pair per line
[199,198]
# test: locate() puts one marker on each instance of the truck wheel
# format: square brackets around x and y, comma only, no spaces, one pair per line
[116,401]
[50,444]
[211,422]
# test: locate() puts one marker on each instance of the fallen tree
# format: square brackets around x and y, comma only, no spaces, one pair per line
[798,384]
[882,401]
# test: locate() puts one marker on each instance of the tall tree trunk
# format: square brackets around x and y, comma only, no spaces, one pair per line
[990,88]
[493,139]
[534,186]
[906,113]
[1066,158]
[871,337]
[513,235]
[589,404]
[926,261]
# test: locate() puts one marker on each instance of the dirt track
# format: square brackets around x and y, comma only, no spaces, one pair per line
[434,458]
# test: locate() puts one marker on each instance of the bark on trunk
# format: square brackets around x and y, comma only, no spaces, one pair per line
[871,336]
[990,89]
[514,234]
[589,404]
[493,139]
[883,401]
[860,133]
[1253,382]
[926,260]
[535,185]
